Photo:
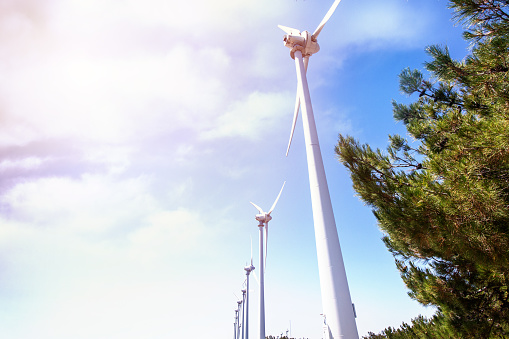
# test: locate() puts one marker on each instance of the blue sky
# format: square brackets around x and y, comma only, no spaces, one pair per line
[134,134]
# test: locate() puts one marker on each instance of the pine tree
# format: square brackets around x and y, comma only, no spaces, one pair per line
[444,204]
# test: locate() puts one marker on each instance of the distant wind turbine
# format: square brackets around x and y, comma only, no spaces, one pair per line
[336,300]
[243,310]
[237,333]
[235,323]
[248,270]
[237,319]
[263,218]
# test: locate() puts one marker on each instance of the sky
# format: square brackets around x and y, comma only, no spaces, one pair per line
[134,134]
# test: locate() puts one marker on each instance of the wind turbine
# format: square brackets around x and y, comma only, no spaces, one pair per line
[235,323]
[248,270]
[243,310]
[263,219]
[237,311]
[236,327]
[336,301]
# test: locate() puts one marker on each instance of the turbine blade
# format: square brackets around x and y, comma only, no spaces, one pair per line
[257,207]
[251,249]
[295,115]
[275,202]
[256,278]
[289,30]
[296,110]
[326,18]
[267,224]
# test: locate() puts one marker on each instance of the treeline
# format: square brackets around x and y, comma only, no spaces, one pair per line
[419,328]
[442,198]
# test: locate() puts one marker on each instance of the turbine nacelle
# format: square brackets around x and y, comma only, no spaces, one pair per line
[249,269]
[303,41]
[263,218]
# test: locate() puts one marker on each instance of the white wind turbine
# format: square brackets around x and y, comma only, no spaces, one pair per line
[236,323]
[237,318]
[236,335]
[263,219]
[336,301]
[243,310]
[248,270]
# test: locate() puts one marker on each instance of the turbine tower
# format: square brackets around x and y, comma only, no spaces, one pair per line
[263,218]
[336,301]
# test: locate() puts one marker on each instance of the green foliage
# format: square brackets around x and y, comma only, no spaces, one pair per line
[420,328]
[442,199]
[483,18]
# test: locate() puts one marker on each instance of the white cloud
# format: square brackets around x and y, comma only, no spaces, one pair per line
[376,25]
[252,117]
[168,233]
[385,23]
[104,257]
[77,87]
[124,212]
[88,204]
[114,100]
[25,163]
